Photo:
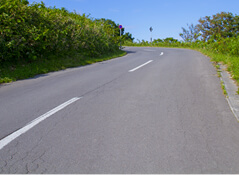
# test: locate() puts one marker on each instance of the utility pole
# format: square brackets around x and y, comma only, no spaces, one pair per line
[151,29]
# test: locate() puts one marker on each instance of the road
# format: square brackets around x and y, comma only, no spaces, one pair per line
[155,110]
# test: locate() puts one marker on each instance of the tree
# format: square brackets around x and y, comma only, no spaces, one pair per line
[170,40]
[156,41]
[192,34]
[221,25]
[25,2]
[116,31]
[112,25]
[128,37]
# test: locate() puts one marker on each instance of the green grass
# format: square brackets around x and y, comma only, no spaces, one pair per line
[11,72]
[232,62]
[219,74]
[223,88]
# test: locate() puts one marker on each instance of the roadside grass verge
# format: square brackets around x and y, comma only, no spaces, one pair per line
[231,61]
[224,88]
[10,72]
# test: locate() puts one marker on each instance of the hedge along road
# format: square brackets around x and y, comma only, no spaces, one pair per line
[155,110]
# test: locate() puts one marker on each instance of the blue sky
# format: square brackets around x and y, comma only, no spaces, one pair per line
[167,17]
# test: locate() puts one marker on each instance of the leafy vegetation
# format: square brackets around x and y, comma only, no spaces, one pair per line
[223,88]
[32,34]
[167,42]
[53,63]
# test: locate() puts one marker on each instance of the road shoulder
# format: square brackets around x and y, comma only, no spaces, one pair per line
[231,88]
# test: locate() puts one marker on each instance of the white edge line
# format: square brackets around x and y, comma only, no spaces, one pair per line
[132,70]
[33,123]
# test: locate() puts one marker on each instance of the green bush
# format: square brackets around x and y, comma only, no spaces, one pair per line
[31,32]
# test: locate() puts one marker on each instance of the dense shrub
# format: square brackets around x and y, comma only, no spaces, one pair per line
[30,32]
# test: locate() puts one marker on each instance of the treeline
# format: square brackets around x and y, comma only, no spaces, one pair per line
[213,28]
[30,32]
[218,33]
[167,42]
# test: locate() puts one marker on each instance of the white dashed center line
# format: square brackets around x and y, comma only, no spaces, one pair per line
[132,70]
[33,123]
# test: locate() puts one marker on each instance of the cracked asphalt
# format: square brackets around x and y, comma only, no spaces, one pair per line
[169,116]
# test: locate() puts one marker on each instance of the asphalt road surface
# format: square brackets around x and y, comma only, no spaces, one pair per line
[155,110]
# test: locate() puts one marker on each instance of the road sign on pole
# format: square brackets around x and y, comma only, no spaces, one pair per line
[120,27]
[151,29]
